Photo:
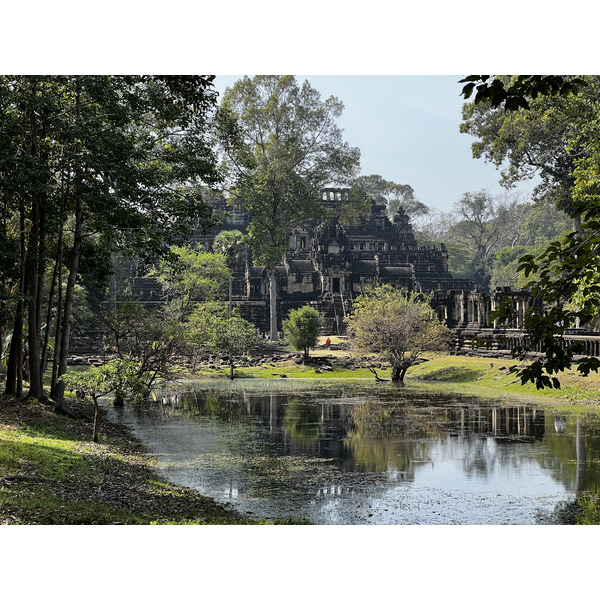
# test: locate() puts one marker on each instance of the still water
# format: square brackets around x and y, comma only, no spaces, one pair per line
[362,453]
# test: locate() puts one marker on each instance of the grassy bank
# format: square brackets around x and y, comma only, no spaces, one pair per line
[463,374]
[51,473]
[474,373]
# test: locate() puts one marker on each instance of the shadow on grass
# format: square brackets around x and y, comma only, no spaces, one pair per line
[452,374]
[51,475]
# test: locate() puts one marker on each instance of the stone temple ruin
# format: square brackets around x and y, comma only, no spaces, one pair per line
[329,264]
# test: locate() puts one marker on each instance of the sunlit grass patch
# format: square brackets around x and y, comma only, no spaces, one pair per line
[494,374]
[51,473]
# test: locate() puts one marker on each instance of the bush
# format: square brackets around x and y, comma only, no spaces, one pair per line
[302,328]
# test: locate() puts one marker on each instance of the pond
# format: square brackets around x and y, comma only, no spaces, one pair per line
[366,453]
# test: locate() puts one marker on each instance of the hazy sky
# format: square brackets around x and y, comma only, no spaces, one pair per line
[407,129]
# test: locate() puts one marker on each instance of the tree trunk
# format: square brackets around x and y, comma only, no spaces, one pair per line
[1,349]
[39,301]
[57,333]
[96,419]
[32,278]
[231,369]
[35,376]
[63,352]
[59,389]
[14,369]
[273,304]
[230,296]
[44,359]
[398,373]
[58,266]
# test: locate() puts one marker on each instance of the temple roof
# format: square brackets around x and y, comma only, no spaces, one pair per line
[364,266]
[404,272]
[301,266]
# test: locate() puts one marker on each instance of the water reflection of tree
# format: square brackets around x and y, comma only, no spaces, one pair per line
[392,434]
[573,457]
[398,435]
[213,404]
[302,421]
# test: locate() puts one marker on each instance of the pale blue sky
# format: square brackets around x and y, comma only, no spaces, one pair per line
[407,128]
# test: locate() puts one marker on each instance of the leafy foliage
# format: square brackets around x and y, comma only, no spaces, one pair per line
[120,376]
[190,275]
[90,165]
[396,328]
[393,195]
[534,142]
[232,337]
[287,149]
[567,290]
[232,244]
[302,328]
[556,132]
[482,226]
[212,330]
[514,92]
[148,339]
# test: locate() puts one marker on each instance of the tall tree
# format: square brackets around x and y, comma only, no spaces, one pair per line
[26,107]
[112,163]
[289,148]
[539,225]
[483,223]
[566,280]
[540,141]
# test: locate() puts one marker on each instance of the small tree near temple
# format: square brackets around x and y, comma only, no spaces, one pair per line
[92,383]
[302,328]
[395,327]
[211,330]
[232,338]
[95,383]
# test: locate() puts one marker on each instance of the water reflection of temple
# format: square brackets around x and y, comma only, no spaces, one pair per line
[396,439]
[516,423]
